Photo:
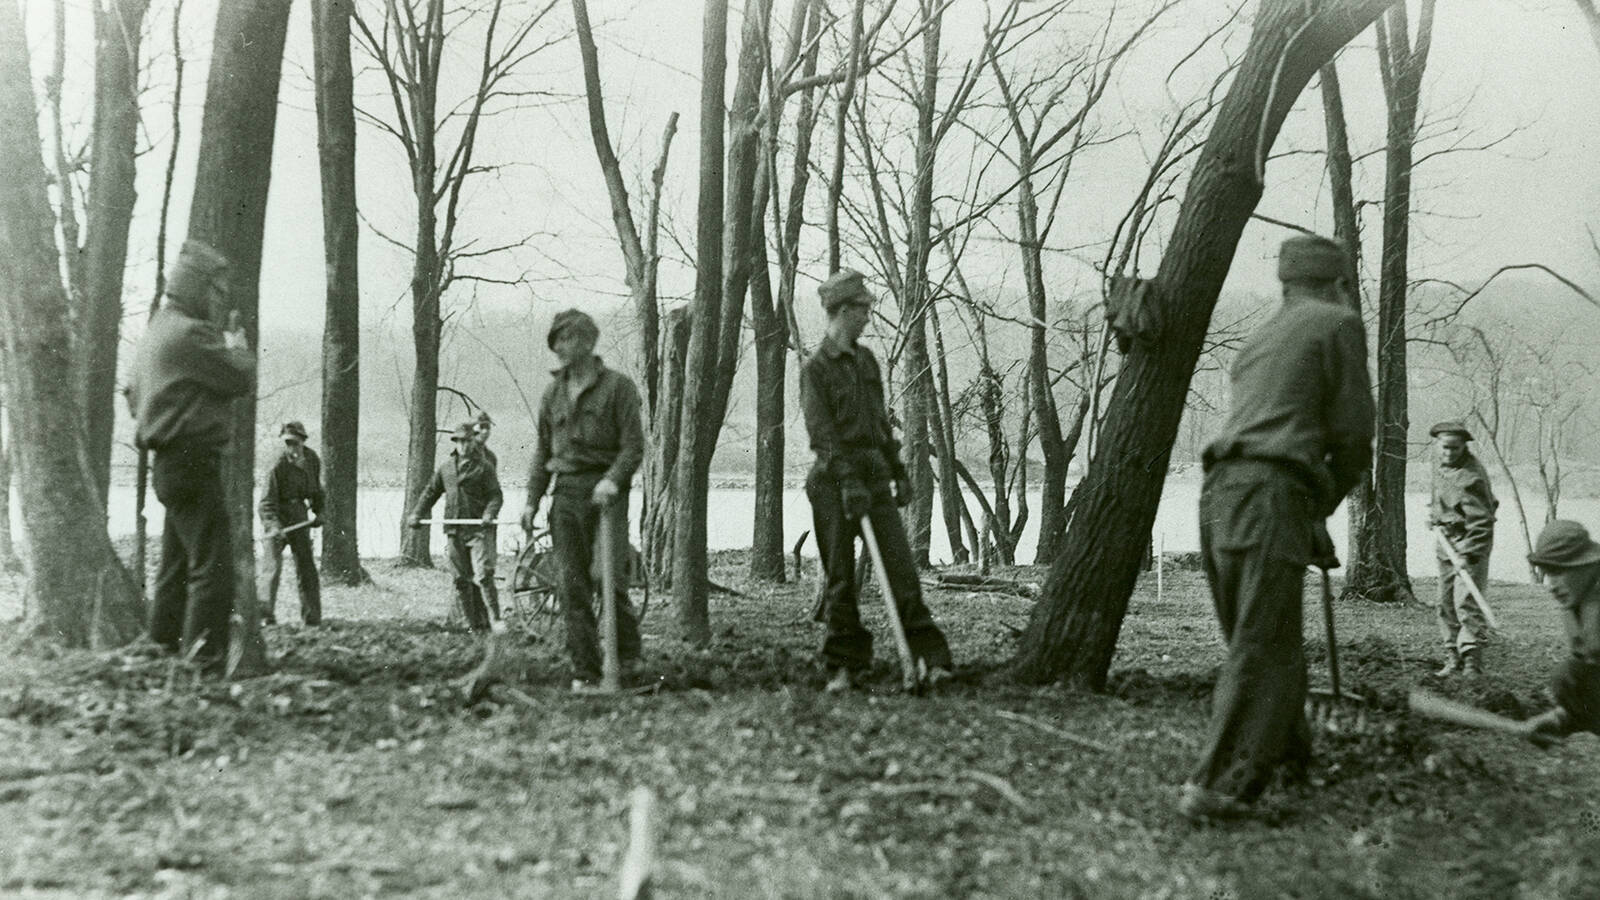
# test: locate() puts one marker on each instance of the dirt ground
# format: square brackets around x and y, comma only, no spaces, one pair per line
[356,771]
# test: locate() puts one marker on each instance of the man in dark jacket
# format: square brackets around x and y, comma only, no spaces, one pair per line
[1297,439]
[185,376]
[294,484]
[857,461]
[489,537]
[1463,504]
[1570,561]
[590,443]
[471,490]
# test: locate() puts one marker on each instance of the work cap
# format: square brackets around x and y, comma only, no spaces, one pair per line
[1450,426]
[483,418]
[1311,257]
[463,432]
[1564,543]
[571,318]
[294,428]
[197,267]
[843,286]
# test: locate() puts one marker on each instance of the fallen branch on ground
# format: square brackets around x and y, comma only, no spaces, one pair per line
[1046,727]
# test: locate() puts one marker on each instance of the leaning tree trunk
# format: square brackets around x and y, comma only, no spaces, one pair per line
[78,591]
[229,213]
[341,333]
[110,210]
[1073,630]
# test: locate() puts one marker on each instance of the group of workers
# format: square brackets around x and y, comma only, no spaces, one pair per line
[1298,438]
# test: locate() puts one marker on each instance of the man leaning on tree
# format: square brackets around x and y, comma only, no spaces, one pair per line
[1463,505]
[293,489]
[1297,439]
[185,376]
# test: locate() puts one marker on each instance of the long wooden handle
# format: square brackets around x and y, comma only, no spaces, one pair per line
[908,666]
[1454,555]
[1427,703]
[611,663]
[1333,640]
[458,522]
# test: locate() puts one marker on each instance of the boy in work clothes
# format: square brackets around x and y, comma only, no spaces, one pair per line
[293,485]
[591,441]
[1570,561]
[1463,504]
[489,536]
[185,376]
[471,490]
[1297,440]
[858,458]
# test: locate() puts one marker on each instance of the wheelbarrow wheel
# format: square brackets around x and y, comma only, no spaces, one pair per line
[535,608]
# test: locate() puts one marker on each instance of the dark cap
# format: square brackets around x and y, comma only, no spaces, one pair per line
[463,432]
[1311,257]
[294,428]
[197,267]
[843,286]
[1450,426]
[1564,543]
[571,318]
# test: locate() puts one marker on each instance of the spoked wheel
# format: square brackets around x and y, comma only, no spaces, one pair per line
[535,611]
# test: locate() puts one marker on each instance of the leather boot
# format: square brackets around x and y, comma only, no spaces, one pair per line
[1471,662]
[1452,664]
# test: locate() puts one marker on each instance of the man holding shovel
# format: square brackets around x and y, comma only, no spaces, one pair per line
[471,490]
[294,485]
[1297,439]
[857,461]
[590,443]
[1461,513]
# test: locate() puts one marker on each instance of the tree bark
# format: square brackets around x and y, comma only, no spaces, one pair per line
[1072,632]
[341,334]
[661,512]
[78,593]
[228,212]
[689,570]
[117,30]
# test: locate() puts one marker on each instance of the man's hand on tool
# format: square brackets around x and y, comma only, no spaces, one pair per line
[528,513]
[1323,556]
[233,336]
[488,519]
[902,491]
[316,522]
[857,499]
[413,521]
[605,491]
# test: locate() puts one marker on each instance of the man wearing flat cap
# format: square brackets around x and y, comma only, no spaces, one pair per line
[590,443]
[1462,503]
[1297,439]
[186,373]
[471,490]
[293,489]
[489,537]
[1570,561]
[858,473]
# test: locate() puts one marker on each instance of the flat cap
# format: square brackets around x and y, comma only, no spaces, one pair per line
[483,418]
[843,286]
[1564,543]
[1450,426]
[571,318]
[1311,257]
[197,267]
[464,432]
[294,428]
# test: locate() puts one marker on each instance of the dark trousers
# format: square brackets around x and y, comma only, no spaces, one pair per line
[472,569]
[194,586]
[847,644]
[305,571]
[574,535]
[1258,708]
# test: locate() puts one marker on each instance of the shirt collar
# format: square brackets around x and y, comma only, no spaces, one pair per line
[833,349]
[561,371]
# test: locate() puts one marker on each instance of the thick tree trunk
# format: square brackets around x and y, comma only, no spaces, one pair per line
[772,349]
[1073,630]
[9,561]
[341,333]
[660,514]
[117,30]
[696,435]
[1053,490]
[78,591]
[951,504]
[228,212]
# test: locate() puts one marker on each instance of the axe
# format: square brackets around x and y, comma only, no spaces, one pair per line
[1454,555]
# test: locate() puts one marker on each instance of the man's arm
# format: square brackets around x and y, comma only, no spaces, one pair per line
[538,470]
[1477,514]
[630,432]
[268,507]
[318,495]
[1350,415]
[491,484]
[223,370]
[430,496]
[819,425]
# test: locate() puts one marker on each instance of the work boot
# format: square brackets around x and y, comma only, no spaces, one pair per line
[1199,804]
[1471,663]
[1548,728]
[840,682]
[1452,664]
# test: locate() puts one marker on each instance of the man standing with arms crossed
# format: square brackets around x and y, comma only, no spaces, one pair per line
[1463,505]
[186,374]
[590,443]
[471,490]
[1297,440]
[293,485]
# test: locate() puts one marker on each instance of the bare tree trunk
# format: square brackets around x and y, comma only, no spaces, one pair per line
[228,212]
[78,592]
[341,333]
[772,348]
[951,503]
[1047,421]
[1378,567]
[117,28]
[700,369]
[1073,630]
[661,512]
[9,561]
[847,96]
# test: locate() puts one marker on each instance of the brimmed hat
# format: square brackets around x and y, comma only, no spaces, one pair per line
[294,428]
[483,418]
[463,432]
[1311,257]
[197,267]
[571,318]
[843,286]
[1564,543]
[1451,426]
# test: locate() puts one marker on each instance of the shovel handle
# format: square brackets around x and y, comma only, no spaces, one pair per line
[610,663]
[908,666]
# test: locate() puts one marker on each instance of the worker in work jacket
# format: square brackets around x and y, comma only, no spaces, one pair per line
[1463,504]
[293,490]
[471,490]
